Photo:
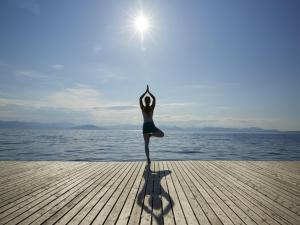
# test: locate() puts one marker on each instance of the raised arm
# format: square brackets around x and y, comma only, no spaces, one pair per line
[141,100]
[153,97]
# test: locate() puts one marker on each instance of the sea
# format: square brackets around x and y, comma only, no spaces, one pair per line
[128,145]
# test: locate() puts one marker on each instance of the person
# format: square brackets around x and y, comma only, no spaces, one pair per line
[149,128]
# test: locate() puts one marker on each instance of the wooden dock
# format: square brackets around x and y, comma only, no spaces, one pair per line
[168,192]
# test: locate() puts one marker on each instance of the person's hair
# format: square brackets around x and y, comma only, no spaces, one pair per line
[147,100]
[147,108]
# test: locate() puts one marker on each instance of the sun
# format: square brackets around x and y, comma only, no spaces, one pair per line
[141,24]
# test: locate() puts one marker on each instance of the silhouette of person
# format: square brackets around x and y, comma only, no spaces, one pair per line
[149,128]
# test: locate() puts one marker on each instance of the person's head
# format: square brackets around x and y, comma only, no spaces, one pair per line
[147,100]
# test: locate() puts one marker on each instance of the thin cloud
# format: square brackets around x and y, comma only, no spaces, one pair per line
[70,102]
[110,76]
[77,98]
[97,49]
[106,74]
[83,103]
[210,86]
[58,66]
[29,74]
[198,86]
[177,104]
[117,107]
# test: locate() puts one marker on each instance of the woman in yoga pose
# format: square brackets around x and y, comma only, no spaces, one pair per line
[149,129]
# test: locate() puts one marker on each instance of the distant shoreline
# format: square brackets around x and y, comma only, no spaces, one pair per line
[36,125]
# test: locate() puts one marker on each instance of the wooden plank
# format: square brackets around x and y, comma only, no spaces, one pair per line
[68,201]
[119,203]
[11,186]
[103,214]
[20,167]
[262,186]
[205,193]
[92,199]
[137,208]
[31,194]
[157,217]
[34,177]
[229,189]
[275,195]
[166,199]
[208,211]
[34,168]
[177,208]
[282,176]
[36,195]
[279,173]
[275,191]
[291,168]
[146,214]
[215,187]
[226,205]
[99,204]
[56,194]
[173,192]
[259,199]
[263,179]
[127,209]
[184,202]
[198,211]
[250,199]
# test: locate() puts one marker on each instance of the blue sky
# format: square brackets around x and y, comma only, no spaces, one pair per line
[209,63]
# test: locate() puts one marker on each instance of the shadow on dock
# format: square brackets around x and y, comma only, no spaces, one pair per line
[150,198]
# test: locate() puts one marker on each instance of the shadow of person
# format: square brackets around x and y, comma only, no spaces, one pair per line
[153,198]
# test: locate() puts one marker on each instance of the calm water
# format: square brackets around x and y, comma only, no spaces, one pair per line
[98,145]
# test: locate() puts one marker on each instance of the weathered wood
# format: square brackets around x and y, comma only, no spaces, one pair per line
[250,209]
[72,202]
[167,201]
[55,195]
[167,192]
[92,200]
[21,195]
[104,201]
[127,209]
[253,197]
[184,201]
[177,209]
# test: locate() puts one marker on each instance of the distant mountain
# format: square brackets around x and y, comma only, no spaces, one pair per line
[33,125]
[248,130]
[140,126]
[88,127]
[124,127]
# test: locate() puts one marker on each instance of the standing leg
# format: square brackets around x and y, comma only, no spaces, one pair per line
[147,140]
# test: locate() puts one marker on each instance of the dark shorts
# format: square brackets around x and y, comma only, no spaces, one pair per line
[149,127]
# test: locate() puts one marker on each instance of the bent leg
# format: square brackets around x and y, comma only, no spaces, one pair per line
[147,140]
[158,133]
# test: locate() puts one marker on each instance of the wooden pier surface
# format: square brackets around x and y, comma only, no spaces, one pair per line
[168,192]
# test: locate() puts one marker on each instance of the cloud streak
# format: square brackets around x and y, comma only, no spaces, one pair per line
[29,74]
[58,66]
[76,101]
[82,103]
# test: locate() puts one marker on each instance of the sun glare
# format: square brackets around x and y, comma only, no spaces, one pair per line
[141,23]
